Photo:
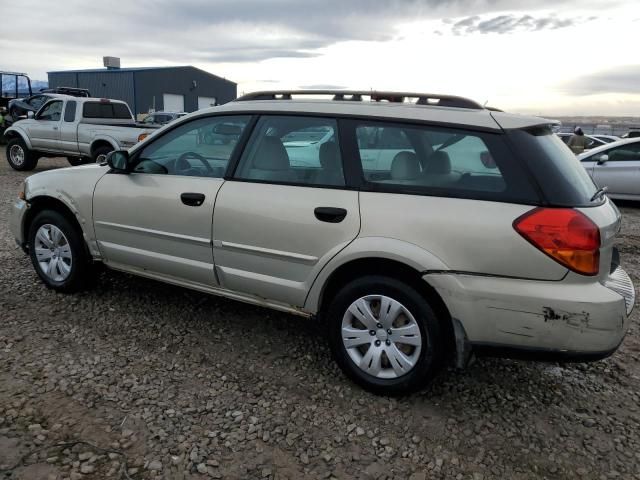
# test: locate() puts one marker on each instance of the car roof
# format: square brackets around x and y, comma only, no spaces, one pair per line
[607,146]
[482,118]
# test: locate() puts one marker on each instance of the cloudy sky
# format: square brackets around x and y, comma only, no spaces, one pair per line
[548,57]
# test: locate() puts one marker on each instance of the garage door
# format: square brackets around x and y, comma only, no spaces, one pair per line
[206,102]
[173,102]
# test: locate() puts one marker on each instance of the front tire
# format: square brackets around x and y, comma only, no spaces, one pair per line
[19,156]
[58,252]
[384,335]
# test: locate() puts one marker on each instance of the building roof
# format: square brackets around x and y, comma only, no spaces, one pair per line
[138,69]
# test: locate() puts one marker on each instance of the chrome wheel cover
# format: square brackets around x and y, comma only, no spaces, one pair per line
[16,153]
[53,253]
[381,336]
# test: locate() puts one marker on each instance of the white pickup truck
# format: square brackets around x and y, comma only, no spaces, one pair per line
[81,129]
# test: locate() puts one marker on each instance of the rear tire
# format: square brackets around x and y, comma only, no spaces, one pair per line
[58,252]
[100,154]
[19,156]
[395,353]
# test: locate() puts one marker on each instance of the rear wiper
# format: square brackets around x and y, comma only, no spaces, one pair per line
[599,193]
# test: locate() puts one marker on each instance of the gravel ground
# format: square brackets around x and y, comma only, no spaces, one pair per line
[140,379]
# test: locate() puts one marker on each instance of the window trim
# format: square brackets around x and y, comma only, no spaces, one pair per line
[231,175]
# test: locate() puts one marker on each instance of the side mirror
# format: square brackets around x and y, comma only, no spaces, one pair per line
[118,160]
[30,114]
[603,159]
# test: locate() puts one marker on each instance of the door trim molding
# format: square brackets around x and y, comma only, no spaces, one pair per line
[298,257]
[157,233]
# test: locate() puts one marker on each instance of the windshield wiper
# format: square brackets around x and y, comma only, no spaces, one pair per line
[599,193]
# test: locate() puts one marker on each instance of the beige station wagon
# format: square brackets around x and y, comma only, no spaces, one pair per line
[417,228]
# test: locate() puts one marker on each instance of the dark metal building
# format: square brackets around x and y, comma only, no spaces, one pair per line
[151,88]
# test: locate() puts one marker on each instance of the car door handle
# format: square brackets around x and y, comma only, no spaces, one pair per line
[192,199]
[330,214]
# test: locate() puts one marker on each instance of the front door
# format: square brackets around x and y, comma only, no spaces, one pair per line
[621,172]
[157,219]
[280,220]
[44,130]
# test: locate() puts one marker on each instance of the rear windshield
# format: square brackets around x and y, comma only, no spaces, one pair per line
[563,181]
[106,110]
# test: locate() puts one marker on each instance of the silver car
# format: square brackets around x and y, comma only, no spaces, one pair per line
[418,229]
[616,166]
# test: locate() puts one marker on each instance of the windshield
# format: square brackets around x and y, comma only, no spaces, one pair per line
[559,173]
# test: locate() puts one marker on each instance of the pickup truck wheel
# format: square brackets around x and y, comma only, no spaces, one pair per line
[75,161]
[58,252]
[19,156]
[100,154]
[384,335]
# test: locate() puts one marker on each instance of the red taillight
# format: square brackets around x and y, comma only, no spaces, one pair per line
[566,235]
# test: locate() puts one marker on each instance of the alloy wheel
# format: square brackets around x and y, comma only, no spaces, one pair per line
[16,153]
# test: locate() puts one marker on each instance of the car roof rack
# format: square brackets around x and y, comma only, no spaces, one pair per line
[374,95]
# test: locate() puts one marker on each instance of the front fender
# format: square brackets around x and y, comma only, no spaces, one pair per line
[74,188]
[375,248]
[19,131]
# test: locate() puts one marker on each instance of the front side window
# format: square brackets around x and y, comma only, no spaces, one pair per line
[200,148]
[51,111]
[428,157]
[624,153]
[297,150]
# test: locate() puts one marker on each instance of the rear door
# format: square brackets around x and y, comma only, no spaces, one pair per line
[44,132]
[277,222]
[621,172]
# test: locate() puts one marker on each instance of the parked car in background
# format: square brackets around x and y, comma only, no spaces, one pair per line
[19,107]
[162,118]
[81,129]
[74,92]
[595,142]
[482,234]
[616,166]
[632,134]
[606,138]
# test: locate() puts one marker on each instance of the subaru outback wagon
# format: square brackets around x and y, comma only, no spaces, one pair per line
[416,227]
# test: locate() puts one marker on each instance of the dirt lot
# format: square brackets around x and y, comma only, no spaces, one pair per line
[162,382]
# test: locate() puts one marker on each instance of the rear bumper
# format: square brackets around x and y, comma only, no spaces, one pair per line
[16,221]
[539,319]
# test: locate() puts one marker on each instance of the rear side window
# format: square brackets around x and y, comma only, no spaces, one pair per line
[440,161]
[105,110]
[563,181]
[295,150]
[70,111]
